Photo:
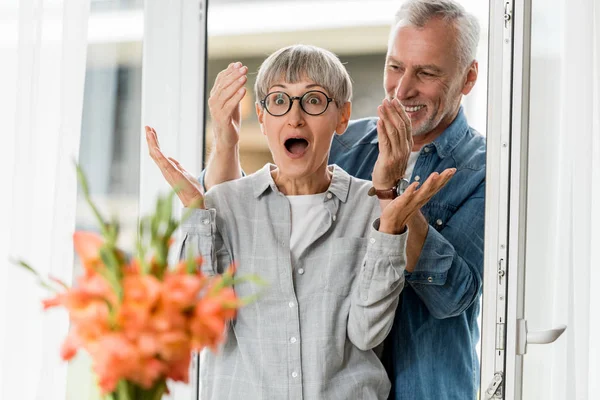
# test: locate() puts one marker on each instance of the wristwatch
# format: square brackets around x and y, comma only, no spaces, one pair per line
[392,193]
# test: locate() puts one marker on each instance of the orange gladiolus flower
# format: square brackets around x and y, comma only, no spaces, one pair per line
[87,246]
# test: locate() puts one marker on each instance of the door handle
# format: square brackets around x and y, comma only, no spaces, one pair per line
[524,337]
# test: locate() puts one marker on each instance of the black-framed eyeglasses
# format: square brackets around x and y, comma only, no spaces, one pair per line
[313,102]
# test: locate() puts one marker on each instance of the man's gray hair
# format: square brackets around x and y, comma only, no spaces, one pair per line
[418,12]
[297,62]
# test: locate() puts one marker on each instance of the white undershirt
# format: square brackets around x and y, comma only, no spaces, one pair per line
[307,211]
[412,160]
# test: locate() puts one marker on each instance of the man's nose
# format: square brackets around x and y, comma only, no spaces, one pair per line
[295,115]
[406,88]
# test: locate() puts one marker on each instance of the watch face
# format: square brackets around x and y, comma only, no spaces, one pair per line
[402,185]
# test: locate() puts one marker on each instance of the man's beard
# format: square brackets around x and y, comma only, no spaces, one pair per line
[425,126]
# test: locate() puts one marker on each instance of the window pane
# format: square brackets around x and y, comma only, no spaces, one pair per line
[110,140]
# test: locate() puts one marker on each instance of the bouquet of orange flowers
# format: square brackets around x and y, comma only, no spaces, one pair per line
[138,318]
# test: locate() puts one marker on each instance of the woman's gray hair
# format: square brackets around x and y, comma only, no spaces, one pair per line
[297,62]
[419,12]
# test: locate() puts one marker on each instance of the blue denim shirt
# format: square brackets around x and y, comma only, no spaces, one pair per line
[431,351]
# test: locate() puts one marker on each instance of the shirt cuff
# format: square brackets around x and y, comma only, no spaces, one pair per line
[385,244]
[434,262]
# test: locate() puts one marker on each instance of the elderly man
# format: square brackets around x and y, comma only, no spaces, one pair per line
[431,351]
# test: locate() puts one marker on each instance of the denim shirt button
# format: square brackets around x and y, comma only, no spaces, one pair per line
[439,222]
[430,279]
[426,149]
[417,178]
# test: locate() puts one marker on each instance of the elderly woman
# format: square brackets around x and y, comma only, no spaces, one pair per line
[333,256]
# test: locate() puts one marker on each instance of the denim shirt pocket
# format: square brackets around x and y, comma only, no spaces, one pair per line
[437,214]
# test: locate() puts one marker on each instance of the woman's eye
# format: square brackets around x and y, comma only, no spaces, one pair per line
[314,100]
[279,101]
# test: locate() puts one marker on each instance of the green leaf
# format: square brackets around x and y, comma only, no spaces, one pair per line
[86,193]
[124,391]
[40,280]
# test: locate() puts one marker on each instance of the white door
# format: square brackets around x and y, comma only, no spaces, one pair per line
[542,226]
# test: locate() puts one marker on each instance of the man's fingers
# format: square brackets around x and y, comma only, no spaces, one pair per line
[407,134]
[382,136]
[390,121]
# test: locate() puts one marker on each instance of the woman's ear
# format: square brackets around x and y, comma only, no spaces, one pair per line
[344,118]
[260,113]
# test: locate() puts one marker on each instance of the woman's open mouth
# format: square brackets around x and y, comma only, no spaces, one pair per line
[296,147]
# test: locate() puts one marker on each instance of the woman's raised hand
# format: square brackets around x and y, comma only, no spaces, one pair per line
[396,214]
[224,104]
[187,187]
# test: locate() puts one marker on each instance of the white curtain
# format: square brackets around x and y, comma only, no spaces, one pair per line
[42,68]
[563,238]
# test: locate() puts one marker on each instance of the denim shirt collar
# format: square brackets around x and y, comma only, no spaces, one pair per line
[447,141]
[339,186]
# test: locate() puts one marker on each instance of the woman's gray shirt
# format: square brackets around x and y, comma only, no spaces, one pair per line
[311,332]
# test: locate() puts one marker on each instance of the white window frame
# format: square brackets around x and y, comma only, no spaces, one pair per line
[173,92]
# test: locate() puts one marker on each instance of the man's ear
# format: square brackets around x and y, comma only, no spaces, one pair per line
[344,118]
[260,113]
[471,78]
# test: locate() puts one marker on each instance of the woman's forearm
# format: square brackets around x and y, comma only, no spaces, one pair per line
[223,165]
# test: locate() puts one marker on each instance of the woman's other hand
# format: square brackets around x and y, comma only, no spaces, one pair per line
[187,187]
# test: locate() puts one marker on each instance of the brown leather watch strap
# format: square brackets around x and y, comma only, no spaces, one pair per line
[384,194]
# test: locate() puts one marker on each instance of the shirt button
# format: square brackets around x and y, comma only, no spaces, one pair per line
[417,178]
[334,217]
[329,195]
[372,240]
[291,304]
[439,222]
[430,279]
[293,340]
[301,271]
[294,374]
[205,221]
[426,150]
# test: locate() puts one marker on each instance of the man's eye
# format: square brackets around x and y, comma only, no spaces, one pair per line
[427,74]
[393,67]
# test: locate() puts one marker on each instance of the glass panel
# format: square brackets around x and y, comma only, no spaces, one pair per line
[110,140]
[547,31]
[237,31]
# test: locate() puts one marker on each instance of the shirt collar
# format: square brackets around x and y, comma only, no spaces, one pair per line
[339,186]
[448,140]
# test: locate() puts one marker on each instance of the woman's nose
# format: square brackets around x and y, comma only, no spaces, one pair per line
[296,114]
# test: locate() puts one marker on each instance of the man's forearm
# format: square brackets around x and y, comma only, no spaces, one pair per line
[417,233]
[223,165]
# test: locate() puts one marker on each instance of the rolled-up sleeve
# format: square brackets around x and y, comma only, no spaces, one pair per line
[201,237]
[448,275]
[376,293]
